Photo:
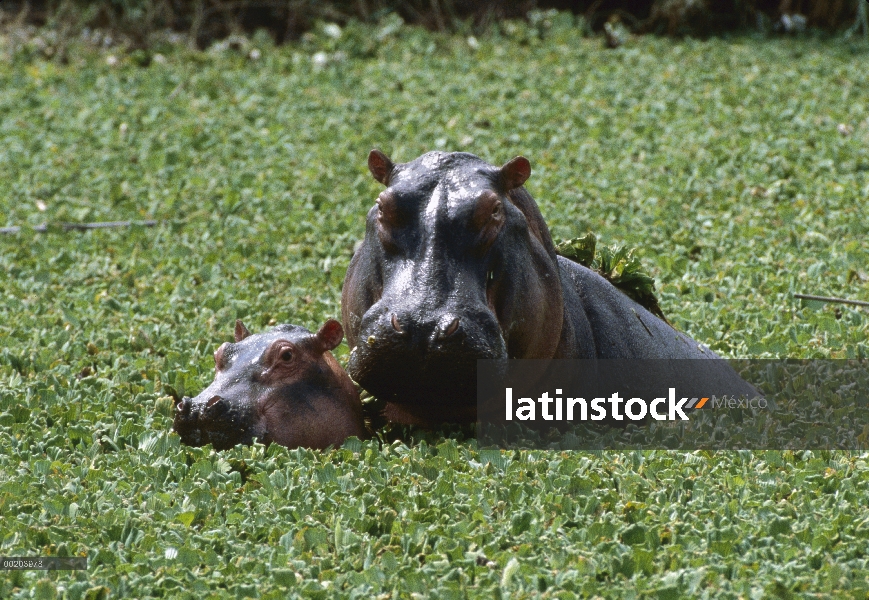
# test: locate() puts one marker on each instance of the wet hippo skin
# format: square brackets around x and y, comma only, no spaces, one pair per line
[282,386]
[458,264]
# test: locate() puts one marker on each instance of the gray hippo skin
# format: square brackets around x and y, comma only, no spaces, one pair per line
[458,265]
[282,386]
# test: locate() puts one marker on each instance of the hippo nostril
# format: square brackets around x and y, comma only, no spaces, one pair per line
[452,328]
[212,401]
[395,324]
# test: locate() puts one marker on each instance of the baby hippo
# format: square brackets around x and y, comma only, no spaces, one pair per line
[282,386]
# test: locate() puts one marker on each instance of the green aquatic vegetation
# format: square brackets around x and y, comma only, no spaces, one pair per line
[721,161]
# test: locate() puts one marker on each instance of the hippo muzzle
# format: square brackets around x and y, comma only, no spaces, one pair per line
[405,349]
[213,419]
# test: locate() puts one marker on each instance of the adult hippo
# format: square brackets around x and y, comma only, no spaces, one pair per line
[281,386]
[458,265]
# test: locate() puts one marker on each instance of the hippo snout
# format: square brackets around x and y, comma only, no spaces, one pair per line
[467,332]
[447,326]
[186,422]
[216,407]
[426,336]
[403,353]
[210,418]
[445,331]
[182,407]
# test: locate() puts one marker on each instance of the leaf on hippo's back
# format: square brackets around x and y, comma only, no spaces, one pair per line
[579,250]
[618,265]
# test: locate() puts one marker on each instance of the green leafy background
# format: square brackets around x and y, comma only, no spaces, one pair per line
[738,167]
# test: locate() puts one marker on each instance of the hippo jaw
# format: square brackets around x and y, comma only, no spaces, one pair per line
[217,420]
[226,413]
[400,363]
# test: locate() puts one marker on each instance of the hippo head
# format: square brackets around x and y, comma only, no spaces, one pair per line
[457,265]
[283,386]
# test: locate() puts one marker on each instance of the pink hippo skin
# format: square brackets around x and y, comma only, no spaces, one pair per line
[282,386]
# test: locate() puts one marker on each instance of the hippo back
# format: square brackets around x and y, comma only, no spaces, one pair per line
[618,326]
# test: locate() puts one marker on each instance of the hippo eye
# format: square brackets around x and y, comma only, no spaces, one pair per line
[487,218]
[286,356]
[388,213]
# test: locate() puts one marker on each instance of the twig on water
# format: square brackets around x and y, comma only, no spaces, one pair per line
[177,90]
[82,226]
[829,299]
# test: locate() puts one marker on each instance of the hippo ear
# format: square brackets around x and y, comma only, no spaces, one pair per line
[516,172]
[329,335]
[241,331]
[380,166]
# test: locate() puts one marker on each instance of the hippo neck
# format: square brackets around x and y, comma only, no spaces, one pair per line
[574,338]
